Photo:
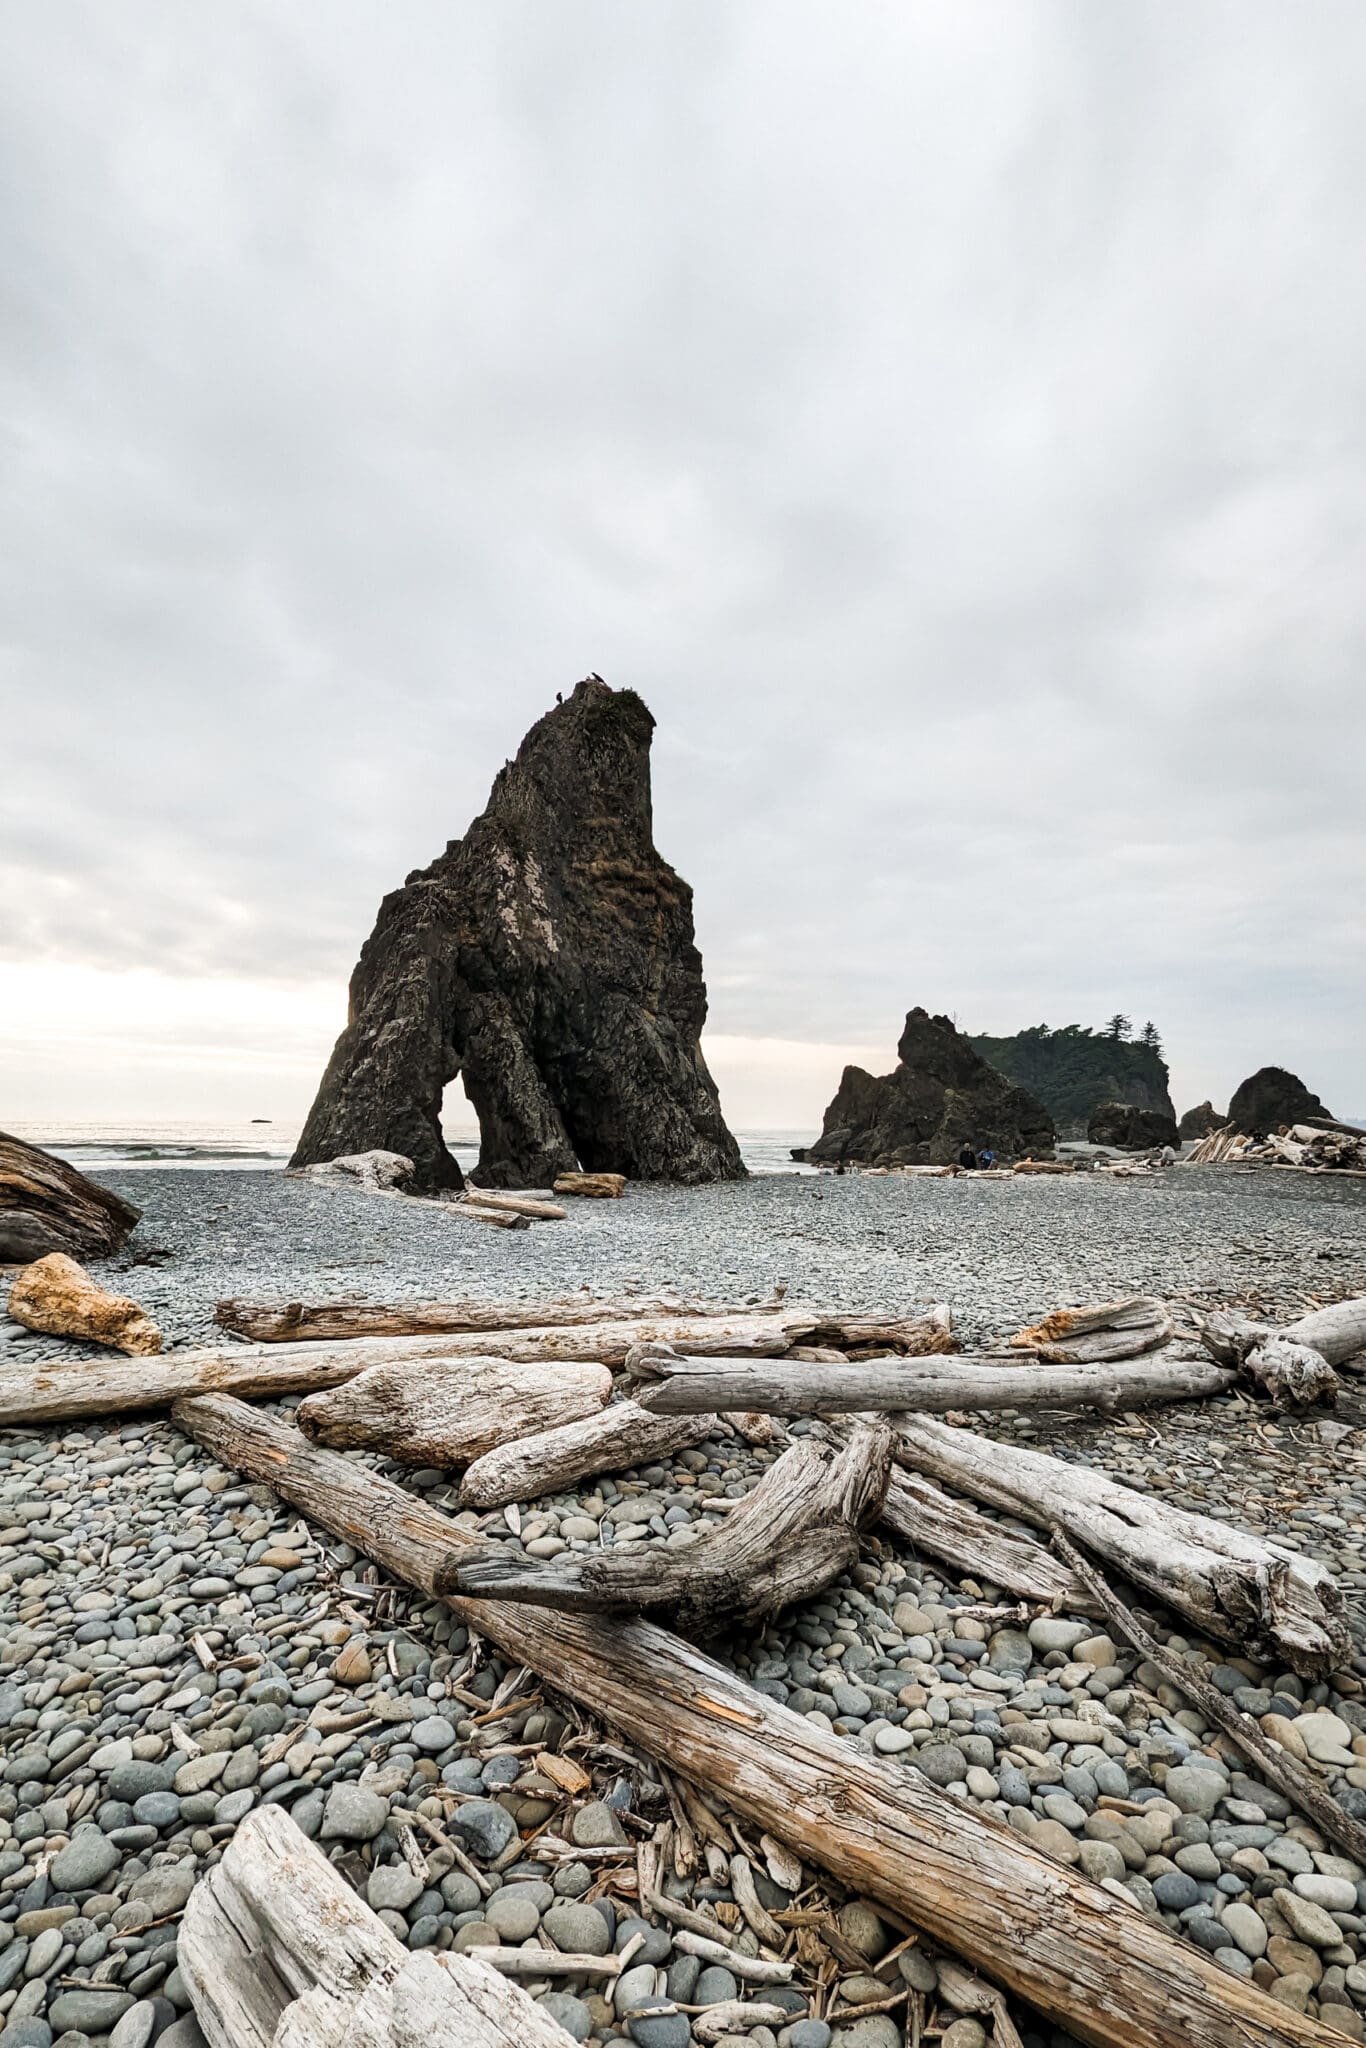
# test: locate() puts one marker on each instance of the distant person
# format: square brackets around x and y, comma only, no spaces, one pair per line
[967,1157]
[1168,1157]
[987,1158]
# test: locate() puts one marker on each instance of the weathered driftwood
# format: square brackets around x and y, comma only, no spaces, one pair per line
[953,1531]
[516,1205]
[1273,1604]
[785,1541]
[611,1440]
[291,1322]
[60,1389]
[277,1951]
[1042,1166]
[785,1386]
[56,1295]
[448,1411]
[594,1187]
[1083,1957]
[1292,1372]
[478,1212]
[1306,1793]
[1110,1330]
[1337,1333]
[47,1206]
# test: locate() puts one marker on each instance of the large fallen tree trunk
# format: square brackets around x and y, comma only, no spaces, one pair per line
[612,1440]
[291,1322]
[956,1534]
[1112,1329]
[1273,1604]
[1082,1956]
[57,1390]
[47,1206]
[785,1386]
[1292,1372]
[447,1411]
[1307,1794]
[1337,1333]
[786,1541]
[277,1951]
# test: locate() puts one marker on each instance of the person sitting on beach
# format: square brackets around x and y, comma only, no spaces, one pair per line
[967,1157]
[986,1158]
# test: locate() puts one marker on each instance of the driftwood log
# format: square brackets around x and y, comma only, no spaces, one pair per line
[1306,1793]
[1082,1956]
[594,1187]
[1294,1364]
[277,1951]
[785,1541]
[448,1411]
[1112,1329]
[515,1205]
[476,1212]
[611,1440]
[1270,1603]
[955,1533]
[291,1322]
[57,1295]
[1337,1333]
[47,1206]
[785,1386]
[57,1390]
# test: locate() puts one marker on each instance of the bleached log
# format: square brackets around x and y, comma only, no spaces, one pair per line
[277,1951]
[976,1547]
[680,1386]
[1273,1604]
[1292,1374]
[1080,1955]
[1042,1166]
[294,1321]
[612,1440]
[1111,1330]
[56,1390]
[479,1212]
[1337,1333]
[449,1411]
[785,1541]
[516,1205]
[595,1187]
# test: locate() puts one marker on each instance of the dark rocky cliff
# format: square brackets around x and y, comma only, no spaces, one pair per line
[941,1096]
[1272,1097]
[548,956]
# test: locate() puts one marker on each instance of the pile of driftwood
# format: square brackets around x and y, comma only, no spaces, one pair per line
[525,1399]
[1312,1148]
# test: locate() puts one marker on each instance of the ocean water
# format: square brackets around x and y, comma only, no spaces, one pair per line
[265,1146]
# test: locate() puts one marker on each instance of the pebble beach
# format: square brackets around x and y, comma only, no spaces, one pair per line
[177,1647]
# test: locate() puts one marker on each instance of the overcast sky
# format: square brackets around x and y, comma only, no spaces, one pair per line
[949,417]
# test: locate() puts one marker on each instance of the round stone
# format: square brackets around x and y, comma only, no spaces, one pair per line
[1246,1928]
[1174,1891]
[660,2029]
[572,2014]
[354,1813]
[157,1809]
[513,1912]
[943,1763]
[84,1863]
[484,1827]
[433,1734]
[393,1888]
[134,2030]
[715,1986]
[580,1930]
[1195,1790]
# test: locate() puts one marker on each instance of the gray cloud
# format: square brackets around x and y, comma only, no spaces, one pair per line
[950,419]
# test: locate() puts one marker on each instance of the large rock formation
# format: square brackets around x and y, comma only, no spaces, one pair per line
[548,957]
[1272,1097]
[1073,1070]
[941,1096]
[47,1206]
[1200,1121]
[1131,1129]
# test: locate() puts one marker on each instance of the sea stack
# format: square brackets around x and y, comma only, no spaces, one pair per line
[1271,1098]
[940,1097]
[548,956]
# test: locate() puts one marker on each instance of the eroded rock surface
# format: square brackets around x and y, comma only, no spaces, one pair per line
[941,1096]
[1200,1121]
[1271,1098]
[1130,1128]
[549,958]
